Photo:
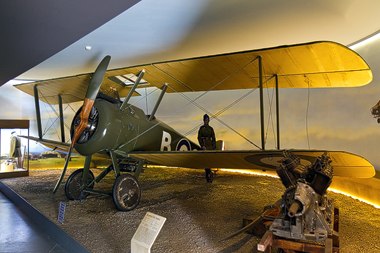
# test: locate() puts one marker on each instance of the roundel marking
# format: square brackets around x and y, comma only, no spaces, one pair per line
[183,145]
[276,160]
[271,161]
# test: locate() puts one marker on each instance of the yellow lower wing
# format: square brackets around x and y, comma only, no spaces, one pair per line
[345,164]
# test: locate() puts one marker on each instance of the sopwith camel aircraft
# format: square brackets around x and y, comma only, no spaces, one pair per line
[107,125]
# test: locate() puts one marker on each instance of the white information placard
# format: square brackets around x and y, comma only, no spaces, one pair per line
[61,213]
[147,232]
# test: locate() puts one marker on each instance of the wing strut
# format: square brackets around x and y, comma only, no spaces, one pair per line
[262,106]
[61,118]
[277,113]
[261,103]
[158,102]
[125,103]
[38,112]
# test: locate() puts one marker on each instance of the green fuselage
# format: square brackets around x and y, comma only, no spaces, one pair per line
[130,130]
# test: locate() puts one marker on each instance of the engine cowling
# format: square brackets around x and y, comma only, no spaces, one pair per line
[102,131]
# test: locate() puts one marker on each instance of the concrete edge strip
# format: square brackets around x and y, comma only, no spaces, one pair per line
[64,240]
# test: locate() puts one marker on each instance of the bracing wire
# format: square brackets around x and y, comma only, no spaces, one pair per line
[208,112]
[307,114]
[52,108]
[191,101]
[144,97]
[214,116]
[56,113]
[270,117]
[221,112]
[47,126]
[270,113]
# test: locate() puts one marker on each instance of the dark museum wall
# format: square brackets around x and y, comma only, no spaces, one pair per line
[34,31]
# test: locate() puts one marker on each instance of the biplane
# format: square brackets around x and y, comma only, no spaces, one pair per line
[109,126]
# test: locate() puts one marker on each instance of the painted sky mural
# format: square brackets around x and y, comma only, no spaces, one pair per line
[324,118]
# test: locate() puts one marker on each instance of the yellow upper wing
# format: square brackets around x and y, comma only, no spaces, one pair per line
[315,64]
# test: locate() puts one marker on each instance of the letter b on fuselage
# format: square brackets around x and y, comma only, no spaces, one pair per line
[166,141]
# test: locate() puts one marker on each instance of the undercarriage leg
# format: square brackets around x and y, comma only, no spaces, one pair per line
[139,168]
[115,164]
[86,169]
[103,173]
[80,180]
[209,175]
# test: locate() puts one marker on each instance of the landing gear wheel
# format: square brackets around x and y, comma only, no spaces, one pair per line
[209,175]
[74,186]
[126,192]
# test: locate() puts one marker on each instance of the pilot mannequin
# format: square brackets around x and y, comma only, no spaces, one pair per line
[206,139]
[206,135]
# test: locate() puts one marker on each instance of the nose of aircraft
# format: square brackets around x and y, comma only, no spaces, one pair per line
[91,93]
[81,121]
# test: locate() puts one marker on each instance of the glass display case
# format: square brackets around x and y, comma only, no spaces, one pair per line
[14,150]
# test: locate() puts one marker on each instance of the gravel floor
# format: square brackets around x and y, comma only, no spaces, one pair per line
[199,214]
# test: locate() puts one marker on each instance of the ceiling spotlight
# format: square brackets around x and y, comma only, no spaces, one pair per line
[88,48]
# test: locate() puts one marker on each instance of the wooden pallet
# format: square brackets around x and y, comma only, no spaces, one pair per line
[269,241]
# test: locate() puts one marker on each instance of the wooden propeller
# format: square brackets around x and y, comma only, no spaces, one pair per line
[82,119]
